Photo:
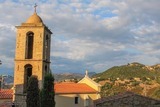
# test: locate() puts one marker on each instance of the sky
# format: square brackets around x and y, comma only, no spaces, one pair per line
[87,34]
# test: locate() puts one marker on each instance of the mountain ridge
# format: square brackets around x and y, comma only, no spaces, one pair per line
[135,77]
[130,70]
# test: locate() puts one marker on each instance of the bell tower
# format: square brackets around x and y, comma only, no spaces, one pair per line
[32,54]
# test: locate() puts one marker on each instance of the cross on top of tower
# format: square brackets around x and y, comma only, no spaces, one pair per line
[35,6]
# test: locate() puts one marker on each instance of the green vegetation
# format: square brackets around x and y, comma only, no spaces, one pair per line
[110,89]
[47,93]
[135,83]
[33,92]
[133,77]
[127,72]
[156,93]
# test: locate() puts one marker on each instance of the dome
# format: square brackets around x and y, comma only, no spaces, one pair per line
[34,19]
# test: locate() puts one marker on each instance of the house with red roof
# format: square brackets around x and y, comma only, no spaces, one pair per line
[6,96]
[81,94]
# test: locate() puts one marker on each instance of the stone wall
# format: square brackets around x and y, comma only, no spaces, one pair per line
[19,96]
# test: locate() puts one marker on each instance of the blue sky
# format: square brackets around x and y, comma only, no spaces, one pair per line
[87,34]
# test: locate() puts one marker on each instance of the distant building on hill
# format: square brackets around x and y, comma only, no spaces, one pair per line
[127,99]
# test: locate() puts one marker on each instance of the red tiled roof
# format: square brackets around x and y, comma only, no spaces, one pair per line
[63,88]
[6,94]
[69,88]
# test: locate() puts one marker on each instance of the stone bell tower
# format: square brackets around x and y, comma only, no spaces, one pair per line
[32,55]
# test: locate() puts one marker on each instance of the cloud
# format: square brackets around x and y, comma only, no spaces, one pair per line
[94,34]
[61,65]
[7,45]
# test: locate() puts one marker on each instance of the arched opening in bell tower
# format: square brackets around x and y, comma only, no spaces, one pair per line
[29,45]
[27,75]
[46,47]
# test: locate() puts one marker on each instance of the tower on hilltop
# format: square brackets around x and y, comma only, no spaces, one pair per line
[32,55]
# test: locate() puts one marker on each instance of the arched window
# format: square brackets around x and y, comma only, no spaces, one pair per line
[46,46]
[27,75]
[29,45]
[47,38]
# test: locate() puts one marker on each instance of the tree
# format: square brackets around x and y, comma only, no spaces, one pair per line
[33,92]
[47,93]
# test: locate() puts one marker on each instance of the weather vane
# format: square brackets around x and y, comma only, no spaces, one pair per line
[35,6]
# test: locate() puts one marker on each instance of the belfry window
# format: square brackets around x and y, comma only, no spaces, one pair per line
[46,46]
[29,45]
[47,38]
[27,75]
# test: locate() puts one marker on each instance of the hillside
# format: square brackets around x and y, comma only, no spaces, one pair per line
[134,77]
[67,76]
[129,71]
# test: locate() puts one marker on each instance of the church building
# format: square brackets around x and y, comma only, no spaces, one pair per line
[80,94]
[32,55]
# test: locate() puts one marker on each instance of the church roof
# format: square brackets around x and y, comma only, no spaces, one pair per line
[34,19]
[60,88]
[72,88]
[89,79]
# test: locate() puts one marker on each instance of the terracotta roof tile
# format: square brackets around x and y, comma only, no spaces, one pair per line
[6,94]
[68,88]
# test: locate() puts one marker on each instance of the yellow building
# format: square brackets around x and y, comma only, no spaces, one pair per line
[32,55]
[81,94]
[67,94]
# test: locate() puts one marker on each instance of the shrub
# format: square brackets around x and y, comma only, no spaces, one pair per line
[33,92]
[47,93]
